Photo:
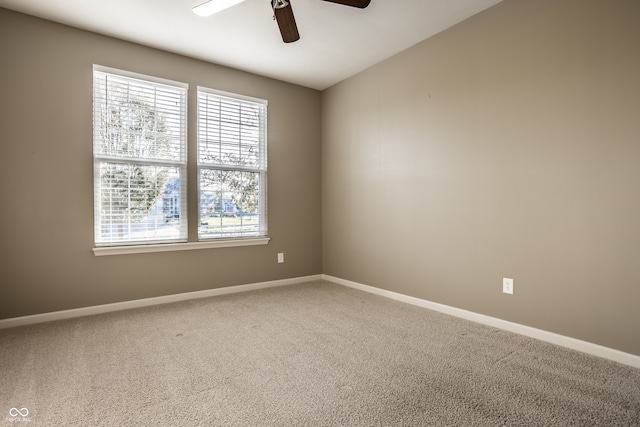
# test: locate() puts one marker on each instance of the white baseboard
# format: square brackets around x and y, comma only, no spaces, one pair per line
[572,343]
[105,308]
[564,341]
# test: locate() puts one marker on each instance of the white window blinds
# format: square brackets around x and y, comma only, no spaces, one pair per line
[140,158]
[232,165]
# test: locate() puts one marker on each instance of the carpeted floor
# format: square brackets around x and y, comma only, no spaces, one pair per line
[317,354]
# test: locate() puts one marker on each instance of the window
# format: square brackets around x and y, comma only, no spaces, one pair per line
[232,165]
[140,166]
[140,147]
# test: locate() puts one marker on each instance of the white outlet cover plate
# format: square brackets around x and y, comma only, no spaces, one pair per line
[507,285]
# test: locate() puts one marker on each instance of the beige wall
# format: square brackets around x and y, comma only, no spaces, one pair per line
[46,184]
[507,146]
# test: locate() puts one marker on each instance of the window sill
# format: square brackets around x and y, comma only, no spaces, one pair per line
[169,247]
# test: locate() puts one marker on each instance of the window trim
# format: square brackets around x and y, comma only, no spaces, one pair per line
[139,76]
[262,169]
[122,248]
[169,247]
[181,164]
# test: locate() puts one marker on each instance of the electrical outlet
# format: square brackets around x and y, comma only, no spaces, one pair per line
[280,258]
[507,285]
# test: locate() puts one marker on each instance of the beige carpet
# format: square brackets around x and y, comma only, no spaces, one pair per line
[316,354]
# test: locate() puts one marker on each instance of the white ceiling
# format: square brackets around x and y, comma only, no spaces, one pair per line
[336,41]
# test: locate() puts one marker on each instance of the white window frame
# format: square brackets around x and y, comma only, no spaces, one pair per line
[260,168]
[153,85]
[121,248]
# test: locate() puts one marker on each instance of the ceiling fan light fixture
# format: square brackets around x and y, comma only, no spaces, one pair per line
[214,6]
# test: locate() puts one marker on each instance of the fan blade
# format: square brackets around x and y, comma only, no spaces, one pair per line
[287,23]
[355,3]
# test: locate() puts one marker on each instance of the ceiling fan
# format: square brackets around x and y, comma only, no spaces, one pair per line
[282,13]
